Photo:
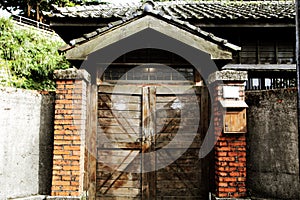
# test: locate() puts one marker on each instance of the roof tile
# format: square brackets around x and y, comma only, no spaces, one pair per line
[187,10]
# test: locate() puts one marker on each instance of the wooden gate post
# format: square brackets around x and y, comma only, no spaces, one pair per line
[230,131]
[70,121]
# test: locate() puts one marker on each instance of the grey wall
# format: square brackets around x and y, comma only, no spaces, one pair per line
[272,157]
[26,127]
[46,143]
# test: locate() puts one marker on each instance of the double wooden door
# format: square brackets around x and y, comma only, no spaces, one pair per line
[148,140]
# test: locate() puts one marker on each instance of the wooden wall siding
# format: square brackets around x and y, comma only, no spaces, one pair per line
[271,45]
[183,179]
[266,52]
[256,49]
[120,126]
[286,52]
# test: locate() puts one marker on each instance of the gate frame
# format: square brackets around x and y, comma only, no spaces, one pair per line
[73,162]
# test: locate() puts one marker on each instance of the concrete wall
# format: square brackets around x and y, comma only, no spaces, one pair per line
[26,128]
[272,152]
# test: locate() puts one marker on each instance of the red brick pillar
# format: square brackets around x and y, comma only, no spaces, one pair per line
[69,132]
[230,148]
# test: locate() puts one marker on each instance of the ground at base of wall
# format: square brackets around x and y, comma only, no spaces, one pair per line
[258,198]
[63,198]
[45,197]
[248,198]
[213,197]
[216,198]
[35,197]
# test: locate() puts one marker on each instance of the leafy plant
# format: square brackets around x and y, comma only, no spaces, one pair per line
[32,8]
[30,56]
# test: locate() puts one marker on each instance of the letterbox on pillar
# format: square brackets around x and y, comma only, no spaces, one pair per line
[234,119]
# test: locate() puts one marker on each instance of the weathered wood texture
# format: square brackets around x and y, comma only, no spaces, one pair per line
[235,121]
[91,141]
[156,26]
[119,117]
[261,45]
[145,122]
[148,142]
[265,52]
[181,179]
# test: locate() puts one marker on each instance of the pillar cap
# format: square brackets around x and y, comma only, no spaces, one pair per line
[228,75]
[72,73]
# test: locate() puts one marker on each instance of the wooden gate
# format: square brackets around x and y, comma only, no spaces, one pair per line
[148,141]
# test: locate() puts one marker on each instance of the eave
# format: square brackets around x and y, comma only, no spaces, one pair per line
[178,30]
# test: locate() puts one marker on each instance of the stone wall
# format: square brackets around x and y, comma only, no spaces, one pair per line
[272,144]
[26,138]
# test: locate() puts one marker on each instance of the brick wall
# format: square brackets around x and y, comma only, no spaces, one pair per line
[231,166]
[230,149]
[69,133]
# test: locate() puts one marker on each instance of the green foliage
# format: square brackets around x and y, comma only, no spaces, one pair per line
[31,57]
[33,8]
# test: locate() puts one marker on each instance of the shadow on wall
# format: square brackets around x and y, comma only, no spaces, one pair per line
[272,144]
[46,143]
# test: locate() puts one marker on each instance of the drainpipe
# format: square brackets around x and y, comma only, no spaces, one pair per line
[297,2]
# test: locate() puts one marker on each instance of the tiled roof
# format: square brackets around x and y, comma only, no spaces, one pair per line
[177,22]
[187,10]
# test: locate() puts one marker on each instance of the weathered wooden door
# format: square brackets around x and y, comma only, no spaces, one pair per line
[148,141]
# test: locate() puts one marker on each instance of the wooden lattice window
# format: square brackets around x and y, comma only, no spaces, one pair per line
[147,73]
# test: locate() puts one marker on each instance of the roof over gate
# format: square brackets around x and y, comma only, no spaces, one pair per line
[181,31]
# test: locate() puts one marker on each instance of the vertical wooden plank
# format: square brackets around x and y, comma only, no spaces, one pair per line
[87,139]
[204,111]
[198,79]
[276,52]
[257,52]
[152,130]
[239,53]
[148,142]
[99,75]
[207,168]
[91,145]
[145,134]
[92,148]
[148,112]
